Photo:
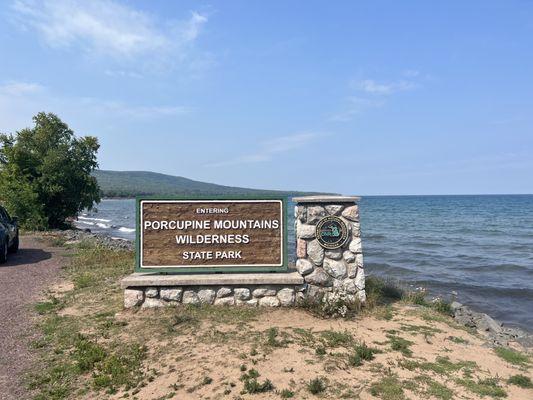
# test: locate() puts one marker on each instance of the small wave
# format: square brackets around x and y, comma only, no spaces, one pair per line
[124,229]
[85,222]
[94,219]
[103,226]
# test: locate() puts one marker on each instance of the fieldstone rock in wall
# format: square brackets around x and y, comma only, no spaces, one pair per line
[151,302]
[190,297]
[355,245]
[334,209]
[264,291]
[251,302]
[151,292]
[300,213]
[352,270]
[171,294]
[224,292]
[303,266]
[206,296]
[269,301]
[356,229]
[286,297]
[315,213]
[337,269]
[351,213]
[360,279]
[319,278]
[225,301]
[305,231]
[242,294]
[301,248]
[349,286]
[359,260]
[315,252]
[361,295]
[348,256]
[313,291]
[335,254]
[133,297]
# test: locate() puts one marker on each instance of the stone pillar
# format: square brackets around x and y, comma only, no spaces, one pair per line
[335,272]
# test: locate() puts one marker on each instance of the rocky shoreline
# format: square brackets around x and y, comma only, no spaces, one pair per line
[495,331]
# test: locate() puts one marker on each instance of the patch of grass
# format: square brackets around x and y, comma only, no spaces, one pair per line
[320,351]
[427,387]
[252,385]
[317,385]
[272,338]
[458,340]
[512,356]
[53,304]
[336,338]
[400,344]
[388,388]
[441,366]
[422,329]
[441,306]
[286,394]
[207,380]
[84,280]
[483,387]
[324,308]
[361,353]
[521,380]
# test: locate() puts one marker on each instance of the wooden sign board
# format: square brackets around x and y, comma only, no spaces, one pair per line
[211,235]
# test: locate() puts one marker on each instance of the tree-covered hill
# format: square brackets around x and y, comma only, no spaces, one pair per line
[138,183]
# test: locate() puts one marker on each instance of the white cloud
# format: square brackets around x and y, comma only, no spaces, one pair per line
[106,28]
[270,148]
[15,88]
[372,87]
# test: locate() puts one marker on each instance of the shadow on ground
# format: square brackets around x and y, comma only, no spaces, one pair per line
[26,256]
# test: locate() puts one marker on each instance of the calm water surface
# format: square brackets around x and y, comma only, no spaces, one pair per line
[478,246]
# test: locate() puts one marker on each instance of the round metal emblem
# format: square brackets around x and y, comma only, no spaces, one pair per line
[331,232]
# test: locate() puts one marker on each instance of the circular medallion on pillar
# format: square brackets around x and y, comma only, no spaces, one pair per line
[331,232]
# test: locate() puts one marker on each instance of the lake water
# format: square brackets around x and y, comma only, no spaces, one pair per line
[478,246]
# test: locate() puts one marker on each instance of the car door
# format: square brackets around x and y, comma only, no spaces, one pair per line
[5,219]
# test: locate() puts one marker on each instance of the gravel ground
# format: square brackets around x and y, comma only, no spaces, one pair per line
[25,275]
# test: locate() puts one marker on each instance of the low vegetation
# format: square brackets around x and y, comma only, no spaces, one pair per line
[90,348]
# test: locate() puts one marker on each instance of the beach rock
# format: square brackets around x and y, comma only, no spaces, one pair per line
[351,213]
[305,231]
[190,297]
[337,269]
[303,266]
[315,213]
[486,323]
[286,297]
[206,296]
[262,292]
[224,292]
[301,248]
[242,294]
[269,301]
[225,301]
[334,209]
[318,277]
[169,294]
[133,297]
[315,252]
[151,292]
[335,254]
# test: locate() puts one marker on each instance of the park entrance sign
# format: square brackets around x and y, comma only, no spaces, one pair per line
[211,235]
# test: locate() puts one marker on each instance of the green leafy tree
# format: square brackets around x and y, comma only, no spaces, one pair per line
[45,173]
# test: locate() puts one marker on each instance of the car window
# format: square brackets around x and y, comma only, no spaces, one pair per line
[4,216]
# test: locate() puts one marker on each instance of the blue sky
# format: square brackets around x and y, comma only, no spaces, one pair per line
[377,97]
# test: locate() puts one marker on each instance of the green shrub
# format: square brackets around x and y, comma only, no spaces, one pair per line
[317,385]
[521,380]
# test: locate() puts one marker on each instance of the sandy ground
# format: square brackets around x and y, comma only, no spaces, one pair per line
[22,280]
[183,360]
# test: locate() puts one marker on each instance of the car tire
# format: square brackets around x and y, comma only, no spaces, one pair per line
[3,252]
[15,245]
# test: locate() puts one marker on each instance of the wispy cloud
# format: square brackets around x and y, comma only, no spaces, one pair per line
[16,88]
[355,106]
[370,86]
[270,148]
[108,29]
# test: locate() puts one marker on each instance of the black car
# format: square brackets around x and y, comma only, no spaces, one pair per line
[9,234]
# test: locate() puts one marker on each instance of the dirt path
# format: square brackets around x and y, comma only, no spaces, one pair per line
[22,279]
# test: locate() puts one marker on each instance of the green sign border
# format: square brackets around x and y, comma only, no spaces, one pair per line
[200,270]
